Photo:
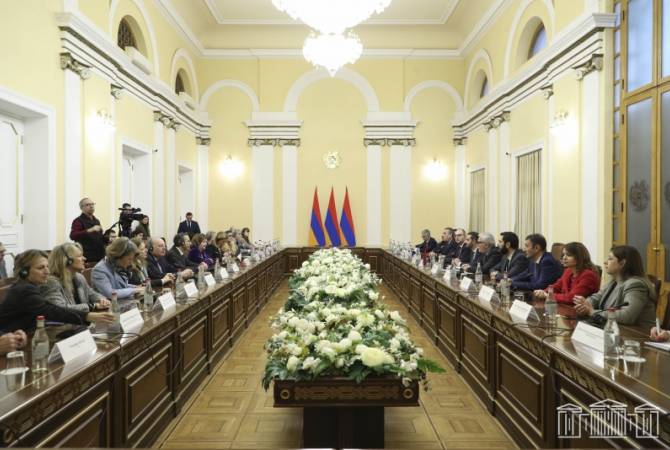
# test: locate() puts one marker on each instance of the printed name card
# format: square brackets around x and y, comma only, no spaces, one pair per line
[223,273]
[435,269]
[466,284]
[131,321]
[447,275]
[236,269]
[81,345]
[209,280]
[167,301]
[589,335]
[523,311]
[486,293]
[191,289]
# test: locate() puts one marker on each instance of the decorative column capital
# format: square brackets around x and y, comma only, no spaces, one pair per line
[547,91]
[166,120]
[496,121]
[174,124]
[460,141]
[593,64]
[116,91]
[67,62]
[204,141]
[374,141]
[295,142]
[257,142]
[405,142]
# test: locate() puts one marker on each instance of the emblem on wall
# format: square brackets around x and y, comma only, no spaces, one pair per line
[332,160]
[639,195]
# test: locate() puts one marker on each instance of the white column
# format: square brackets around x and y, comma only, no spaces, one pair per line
[460,191]
[504,189]
[262,172]
[158,163]
[170,183]
[202,177]
[400,190]
[548,171]
[592,200]
[289,155]
[374,192]
[72,137]
[492,185]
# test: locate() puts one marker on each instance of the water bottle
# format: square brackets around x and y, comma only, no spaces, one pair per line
[550,308]
[217,271]
[505,285]
[40,347]
[201,279]
[180,293]
[148,298]
[115,309]
[612,336]
[479,276]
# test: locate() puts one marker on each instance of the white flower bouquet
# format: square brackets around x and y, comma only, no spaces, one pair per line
[334,325]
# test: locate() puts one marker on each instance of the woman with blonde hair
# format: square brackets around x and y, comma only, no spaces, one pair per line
[66,286]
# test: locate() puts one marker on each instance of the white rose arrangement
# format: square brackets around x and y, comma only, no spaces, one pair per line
[334,324]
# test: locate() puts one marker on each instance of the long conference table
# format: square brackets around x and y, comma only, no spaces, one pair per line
[526,376]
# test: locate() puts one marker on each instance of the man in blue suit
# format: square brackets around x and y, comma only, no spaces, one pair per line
[543,269]
[189,226]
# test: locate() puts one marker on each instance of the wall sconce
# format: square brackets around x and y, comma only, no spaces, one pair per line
[564,130]
[559,123]
[230,168]
[102,123]
[435,171]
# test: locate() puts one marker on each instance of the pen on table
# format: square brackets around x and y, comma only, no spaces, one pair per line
[658,325]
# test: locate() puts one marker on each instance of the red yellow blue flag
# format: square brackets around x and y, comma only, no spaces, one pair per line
[347,222]
[316,234]
[332,228]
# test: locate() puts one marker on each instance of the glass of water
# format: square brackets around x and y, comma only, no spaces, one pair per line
[631,350]
[15,371]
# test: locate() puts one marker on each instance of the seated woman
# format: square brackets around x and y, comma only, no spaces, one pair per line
[212,249]
[24,302]
[138,274]
[580,277]
[243,245]
[66,286]
[109,275]
[246,238]
[232,243]
[629,292]
[197,254]
[143,227]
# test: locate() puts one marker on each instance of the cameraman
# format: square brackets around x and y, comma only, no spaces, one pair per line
[128,214]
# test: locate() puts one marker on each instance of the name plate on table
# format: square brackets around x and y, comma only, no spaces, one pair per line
[466,284]
[435,269]
[80,345]
[167,301]
[235,268]
[486,293]
[209,280]
[191,289]
[523,311]
[447,275]
[223,273]
[589,335]
[131,321]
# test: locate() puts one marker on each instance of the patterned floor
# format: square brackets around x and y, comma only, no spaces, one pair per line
[233,411]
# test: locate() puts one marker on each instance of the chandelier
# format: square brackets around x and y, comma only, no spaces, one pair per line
[331,48]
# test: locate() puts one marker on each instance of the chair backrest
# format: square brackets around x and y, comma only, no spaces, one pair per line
[3,292]
[557,250]
[657,285]
[666,313]
[599,269]
[87,274]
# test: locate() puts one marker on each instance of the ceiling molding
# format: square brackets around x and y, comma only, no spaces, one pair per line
[217,14]
[296,53]
[484,25]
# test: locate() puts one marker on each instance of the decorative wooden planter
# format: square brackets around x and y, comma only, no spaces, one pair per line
[340,413]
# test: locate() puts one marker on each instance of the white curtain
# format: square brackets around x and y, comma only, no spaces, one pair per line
[528,195]
[477,200]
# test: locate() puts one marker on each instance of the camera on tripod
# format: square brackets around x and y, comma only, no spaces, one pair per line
[126,217]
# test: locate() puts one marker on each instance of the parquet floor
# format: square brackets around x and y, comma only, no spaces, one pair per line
[233,411]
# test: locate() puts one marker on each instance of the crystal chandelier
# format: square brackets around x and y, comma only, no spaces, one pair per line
[331,16]
[331,48]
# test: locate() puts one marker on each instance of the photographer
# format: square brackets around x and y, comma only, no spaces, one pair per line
[128,214]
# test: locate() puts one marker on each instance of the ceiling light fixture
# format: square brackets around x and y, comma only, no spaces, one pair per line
[332,51]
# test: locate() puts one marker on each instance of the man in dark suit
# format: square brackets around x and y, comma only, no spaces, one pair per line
[543,269]
[488,255]
[189,226]
[469,250]
[158,266]
[428,245]
[459,250]
[177,257]
[447,245]
[514,262]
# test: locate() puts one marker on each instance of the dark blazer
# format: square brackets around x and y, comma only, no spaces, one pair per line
[179,261]
[158,268]
[24,303]
[213,252]
[445,248]
[190,230]
[487,260]
[427,247]
[539,275]
[462,252]
[513,265]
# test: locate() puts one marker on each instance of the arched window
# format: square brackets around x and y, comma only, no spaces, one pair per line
[538,43]
[125,36]
[179,84]
[485,87]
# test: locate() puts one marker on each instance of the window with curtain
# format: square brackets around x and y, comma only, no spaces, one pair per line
[539,42]
[125,37]
[477,200]
[528,194]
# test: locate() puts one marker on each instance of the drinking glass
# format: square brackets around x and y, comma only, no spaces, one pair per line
[631,350]
[15,371]
[519,295]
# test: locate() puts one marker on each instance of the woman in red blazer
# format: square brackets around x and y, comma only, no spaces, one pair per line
[580,277]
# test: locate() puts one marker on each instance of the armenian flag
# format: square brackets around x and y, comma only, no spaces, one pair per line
[332,227]
[316,234]
[347,222]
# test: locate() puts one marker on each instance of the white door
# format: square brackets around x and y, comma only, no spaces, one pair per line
[11,187]
[186,192]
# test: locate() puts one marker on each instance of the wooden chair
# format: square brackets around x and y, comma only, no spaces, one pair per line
[3,292]
[665,316]
[599,269]
[557,250]
[87,274]
[657,286]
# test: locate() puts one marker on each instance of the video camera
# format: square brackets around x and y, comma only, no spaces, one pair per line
[126,217]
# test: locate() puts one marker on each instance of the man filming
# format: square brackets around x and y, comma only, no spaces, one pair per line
[128,214]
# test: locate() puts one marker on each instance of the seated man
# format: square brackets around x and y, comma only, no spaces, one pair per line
[427,246]
[488,255]
[543,269]
[514,262]
[177,256]
[468,250]
[447,245]
[158,266]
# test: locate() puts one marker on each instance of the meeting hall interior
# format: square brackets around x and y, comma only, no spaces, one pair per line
[292,224]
